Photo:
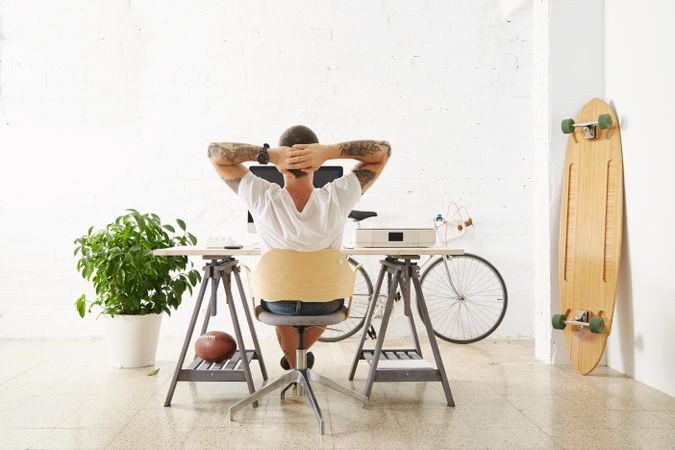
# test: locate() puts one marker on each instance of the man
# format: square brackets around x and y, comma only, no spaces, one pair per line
[298,216]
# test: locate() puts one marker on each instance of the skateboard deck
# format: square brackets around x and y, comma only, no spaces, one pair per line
[591,219]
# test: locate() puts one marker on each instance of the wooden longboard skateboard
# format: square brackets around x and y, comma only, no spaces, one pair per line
[591,219]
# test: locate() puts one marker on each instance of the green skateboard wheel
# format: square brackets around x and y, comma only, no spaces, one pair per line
[567,126]
[558,321]
[605,121]
[596,325]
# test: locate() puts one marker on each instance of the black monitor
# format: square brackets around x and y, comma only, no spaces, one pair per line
[324,175]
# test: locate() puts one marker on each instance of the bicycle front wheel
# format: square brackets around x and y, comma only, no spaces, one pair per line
[363,291]
[466,298]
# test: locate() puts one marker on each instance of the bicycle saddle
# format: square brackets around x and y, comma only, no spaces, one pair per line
[360,215]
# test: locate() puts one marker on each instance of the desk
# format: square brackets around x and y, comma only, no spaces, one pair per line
[219,253]
[386,365]
[220,267]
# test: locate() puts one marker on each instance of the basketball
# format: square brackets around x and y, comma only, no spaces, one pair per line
[215,346]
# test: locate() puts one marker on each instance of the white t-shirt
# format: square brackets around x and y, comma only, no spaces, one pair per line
[321,223]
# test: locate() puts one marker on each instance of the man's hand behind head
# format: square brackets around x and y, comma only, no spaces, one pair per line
[279,157]
[308,157]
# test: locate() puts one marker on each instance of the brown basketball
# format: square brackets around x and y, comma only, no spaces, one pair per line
[215,346]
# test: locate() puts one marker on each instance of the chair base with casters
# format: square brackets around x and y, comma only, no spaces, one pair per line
[301,376]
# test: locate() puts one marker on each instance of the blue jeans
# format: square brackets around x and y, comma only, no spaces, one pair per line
[295,308]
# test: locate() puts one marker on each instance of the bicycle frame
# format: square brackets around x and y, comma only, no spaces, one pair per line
[430,259]
[379,305]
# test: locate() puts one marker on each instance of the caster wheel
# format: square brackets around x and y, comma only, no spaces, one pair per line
[558,321]
[567,126]
[605,121]
[596,325]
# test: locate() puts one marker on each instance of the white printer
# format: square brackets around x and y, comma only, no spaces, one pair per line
[395,237]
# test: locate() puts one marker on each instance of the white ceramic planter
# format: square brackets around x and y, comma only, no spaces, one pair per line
[132,340]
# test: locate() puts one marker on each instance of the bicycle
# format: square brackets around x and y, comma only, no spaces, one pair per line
[466,296]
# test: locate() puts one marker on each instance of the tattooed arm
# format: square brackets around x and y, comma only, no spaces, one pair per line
[372,157]
[227,159]
[230,154]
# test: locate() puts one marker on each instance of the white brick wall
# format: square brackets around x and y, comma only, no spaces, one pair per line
[110,104]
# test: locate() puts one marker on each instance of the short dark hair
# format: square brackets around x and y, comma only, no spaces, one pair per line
[297,134]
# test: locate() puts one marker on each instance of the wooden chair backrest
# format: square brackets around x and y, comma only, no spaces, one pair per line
[305,276]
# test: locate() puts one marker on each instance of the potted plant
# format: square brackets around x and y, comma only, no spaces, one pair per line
[133,287]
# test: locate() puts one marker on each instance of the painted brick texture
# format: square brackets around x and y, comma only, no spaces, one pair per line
[111,104]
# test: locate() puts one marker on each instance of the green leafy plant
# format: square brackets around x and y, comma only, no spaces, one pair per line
[127,277]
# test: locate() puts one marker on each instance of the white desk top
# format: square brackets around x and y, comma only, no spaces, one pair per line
[251,251]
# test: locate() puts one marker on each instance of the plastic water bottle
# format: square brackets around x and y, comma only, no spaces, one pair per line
[438,224]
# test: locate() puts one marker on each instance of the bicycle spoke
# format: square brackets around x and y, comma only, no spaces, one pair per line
[477,306]
[477,279]
[361,296]
[485,279]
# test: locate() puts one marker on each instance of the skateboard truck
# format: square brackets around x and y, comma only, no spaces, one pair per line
[604,122]
[595,325]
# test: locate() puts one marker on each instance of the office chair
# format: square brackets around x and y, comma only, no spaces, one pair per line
[302,276]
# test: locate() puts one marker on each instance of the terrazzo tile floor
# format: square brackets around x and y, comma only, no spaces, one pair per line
[60,394]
